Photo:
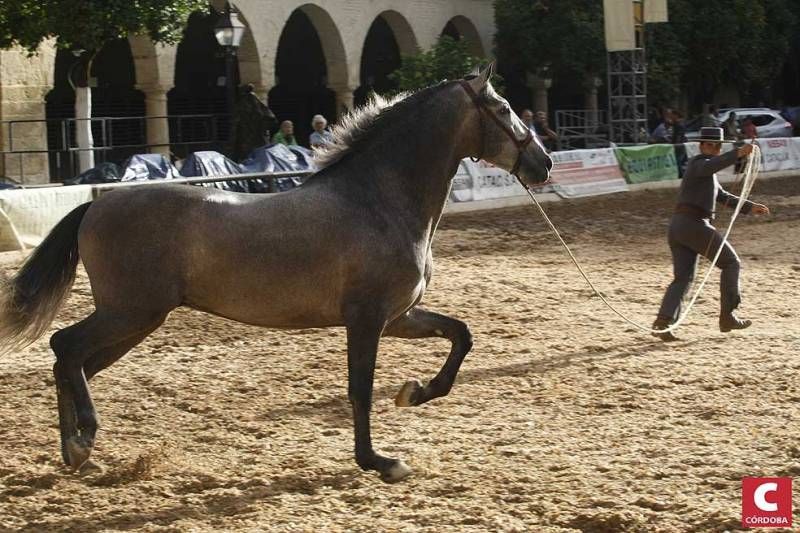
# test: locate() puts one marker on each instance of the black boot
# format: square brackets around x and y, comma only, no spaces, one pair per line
[661,324]
[728,322]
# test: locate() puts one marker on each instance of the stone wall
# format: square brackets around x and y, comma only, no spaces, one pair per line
[24,82]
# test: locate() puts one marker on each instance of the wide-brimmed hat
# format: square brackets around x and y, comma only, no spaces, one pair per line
[711,135]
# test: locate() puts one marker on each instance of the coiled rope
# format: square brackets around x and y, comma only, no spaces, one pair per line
[751,170]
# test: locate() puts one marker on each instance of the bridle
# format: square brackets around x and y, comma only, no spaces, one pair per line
[482,109]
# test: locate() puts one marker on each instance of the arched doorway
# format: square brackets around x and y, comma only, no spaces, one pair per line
[388,38]
[197,101]
[114,97]
[308,50]
[460,27]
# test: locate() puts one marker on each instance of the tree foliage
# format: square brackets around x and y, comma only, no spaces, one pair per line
[715,42]
[448,59]
[564,36]
[705,45]
[88,24]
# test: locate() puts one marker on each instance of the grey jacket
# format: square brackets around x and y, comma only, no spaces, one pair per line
[700,187]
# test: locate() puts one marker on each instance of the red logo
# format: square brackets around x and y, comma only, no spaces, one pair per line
[766,502]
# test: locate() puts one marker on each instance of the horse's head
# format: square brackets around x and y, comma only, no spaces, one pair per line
[501,136]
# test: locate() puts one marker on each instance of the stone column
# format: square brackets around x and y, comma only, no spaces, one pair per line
[344,100]
[156,122]
[24,82]
[262,91]
[590,86]
[539,86]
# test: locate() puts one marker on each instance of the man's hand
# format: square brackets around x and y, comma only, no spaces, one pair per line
[744,150]
[759,209]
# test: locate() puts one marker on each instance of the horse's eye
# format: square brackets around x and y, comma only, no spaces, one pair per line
[505,110]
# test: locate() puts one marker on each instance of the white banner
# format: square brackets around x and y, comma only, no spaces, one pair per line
[587,173]
[483,181]
[28,215]
[780,153]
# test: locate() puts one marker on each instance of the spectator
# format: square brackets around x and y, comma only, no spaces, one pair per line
[663,132]
[320,136]
[749,130]
[678,128]
[653,120]
[286,134]
[730,128]
[527,118]
[548,137]
[252,123]
[710,118]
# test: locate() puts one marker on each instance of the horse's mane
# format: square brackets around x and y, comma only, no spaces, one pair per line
[372,121]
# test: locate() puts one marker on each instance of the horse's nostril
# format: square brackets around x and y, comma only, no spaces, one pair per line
[549,163]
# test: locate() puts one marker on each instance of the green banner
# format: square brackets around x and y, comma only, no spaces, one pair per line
[640,164]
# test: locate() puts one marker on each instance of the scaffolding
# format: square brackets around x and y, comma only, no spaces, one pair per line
[627,81]
[627,96]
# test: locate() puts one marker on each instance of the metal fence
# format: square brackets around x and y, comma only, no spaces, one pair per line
[582,128]
[115,139]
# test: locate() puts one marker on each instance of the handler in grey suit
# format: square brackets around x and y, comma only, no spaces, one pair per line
[691,232]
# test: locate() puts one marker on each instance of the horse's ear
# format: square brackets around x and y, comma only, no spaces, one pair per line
[479,79]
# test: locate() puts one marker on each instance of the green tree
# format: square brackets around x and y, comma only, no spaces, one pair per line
[566,37]
[89,24]
[448,59]
[86,25]
[715,42]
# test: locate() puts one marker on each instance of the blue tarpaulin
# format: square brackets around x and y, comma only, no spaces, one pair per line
[141,167]
[271,158]
[209,163]
[277,158]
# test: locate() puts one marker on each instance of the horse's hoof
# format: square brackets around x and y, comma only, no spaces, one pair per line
[78,452]
[409,394]
[89,467]
[398,472]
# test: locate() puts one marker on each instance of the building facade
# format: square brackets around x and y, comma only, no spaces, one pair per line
[304,57]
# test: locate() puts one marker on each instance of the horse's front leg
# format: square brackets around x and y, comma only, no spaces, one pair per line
[363,336]
[419,323]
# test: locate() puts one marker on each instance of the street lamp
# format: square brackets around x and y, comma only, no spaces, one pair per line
[229,31]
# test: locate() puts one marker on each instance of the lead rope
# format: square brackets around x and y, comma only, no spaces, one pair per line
[752,168]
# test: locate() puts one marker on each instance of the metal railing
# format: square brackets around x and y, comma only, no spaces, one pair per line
[115,139]
[582,128]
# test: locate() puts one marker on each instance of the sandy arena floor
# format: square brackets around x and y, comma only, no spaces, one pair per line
[562,419]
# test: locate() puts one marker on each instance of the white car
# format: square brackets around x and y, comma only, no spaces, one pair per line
[768,122]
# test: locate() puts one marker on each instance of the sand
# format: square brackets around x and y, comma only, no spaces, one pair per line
[562,419]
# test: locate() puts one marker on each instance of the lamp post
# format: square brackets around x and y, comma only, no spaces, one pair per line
[229,31]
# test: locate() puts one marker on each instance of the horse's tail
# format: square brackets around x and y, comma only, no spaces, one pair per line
[30,300]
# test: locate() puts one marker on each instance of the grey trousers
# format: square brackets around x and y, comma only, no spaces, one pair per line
[688,238]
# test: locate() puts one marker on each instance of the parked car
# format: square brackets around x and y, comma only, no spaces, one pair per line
[768,122]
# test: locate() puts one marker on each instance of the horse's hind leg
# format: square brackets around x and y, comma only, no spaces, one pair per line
[81,351]
[419,323]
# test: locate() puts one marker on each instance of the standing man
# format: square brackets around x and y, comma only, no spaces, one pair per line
[691,233]
[541,126]
[710,118]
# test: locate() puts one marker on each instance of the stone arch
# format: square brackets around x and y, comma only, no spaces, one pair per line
[114,95]
[310,65]
[332,44]
[460,27]
[403,32]
[389,37]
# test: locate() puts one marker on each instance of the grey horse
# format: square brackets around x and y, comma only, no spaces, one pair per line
[351,247]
